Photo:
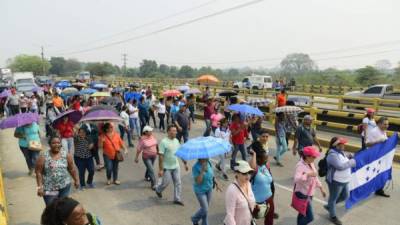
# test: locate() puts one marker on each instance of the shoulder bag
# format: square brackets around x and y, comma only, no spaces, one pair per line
[253,221]
[118,155]
[300,204]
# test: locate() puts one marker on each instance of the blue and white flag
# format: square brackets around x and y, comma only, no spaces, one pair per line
[373,170]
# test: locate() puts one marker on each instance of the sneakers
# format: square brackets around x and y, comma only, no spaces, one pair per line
[279,164]
[159,194]
[382,194]
[335,220]
[117,182]
[91,186]
[108,182]
[179,203]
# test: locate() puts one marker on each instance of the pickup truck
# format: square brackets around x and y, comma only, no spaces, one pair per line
[382,91]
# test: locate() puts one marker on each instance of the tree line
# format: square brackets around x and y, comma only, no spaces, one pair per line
[297,65]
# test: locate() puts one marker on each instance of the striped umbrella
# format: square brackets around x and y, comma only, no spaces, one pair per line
[288,109]
[258,102]
[203,148]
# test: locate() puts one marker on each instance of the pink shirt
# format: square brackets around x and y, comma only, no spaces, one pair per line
[215,118]
[237,208]
[147,145]
[302,182]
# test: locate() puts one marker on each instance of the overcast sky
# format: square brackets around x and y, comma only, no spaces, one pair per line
[256,35]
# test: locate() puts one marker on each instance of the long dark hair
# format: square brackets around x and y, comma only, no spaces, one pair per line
[58,211]
[333,140]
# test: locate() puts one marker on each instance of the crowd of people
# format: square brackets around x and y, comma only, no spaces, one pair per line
[74,149]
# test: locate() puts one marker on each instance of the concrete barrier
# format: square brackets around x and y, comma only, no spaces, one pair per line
[3,203]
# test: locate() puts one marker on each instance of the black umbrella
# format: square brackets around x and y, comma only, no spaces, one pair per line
[227,93]
[111,100]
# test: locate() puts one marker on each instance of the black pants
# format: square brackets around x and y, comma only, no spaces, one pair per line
[14,109]
[152,116]
[161,116]
[143,122]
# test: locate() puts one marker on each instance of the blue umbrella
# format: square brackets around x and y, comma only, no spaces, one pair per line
[63,84]
[73,93]
[132,95]
[246,109]
[88,91]
[100,86]
[203,148]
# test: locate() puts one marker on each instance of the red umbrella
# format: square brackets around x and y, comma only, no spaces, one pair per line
[172,93]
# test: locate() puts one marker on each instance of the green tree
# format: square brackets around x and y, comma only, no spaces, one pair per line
[72,66]
[186,72]
[173,71]
[29,63]
[368,76]
[57,65]
[164,69]
[101,69]
[132,71]
[296,64]
[147,67]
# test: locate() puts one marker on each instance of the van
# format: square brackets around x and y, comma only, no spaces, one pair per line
[255,82]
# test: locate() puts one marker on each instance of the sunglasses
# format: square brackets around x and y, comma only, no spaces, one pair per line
[247,174]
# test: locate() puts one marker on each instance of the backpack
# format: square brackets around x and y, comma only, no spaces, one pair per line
[323,166]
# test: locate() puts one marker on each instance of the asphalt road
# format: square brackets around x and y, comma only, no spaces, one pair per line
[133,202]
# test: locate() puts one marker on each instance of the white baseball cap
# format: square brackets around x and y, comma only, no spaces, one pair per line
[242,167]
[147,128]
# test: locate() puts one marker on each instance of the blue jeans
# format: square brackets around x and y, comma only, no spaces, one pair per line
[304,220]
[133,124]
[83,165]
[338,192]
[207,132]
[111,168]
[202,214]
[30,157]
[281,147]
[63,192]
[149,163]
[236,149]
[122,132]
[184,133]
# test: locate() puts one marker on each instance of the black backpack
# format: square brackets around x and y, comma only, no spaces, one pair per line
[323,166]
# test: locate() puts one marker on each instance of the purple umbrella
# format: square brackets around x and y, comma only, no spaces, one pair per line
[5,93]
[37,89]
[101,115]
[19,120]
[73,115]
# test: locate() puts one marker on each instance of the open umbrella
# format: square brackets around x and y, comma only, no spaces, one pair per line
[63,84]
[69,90]
[207,78]
[19,120]
[69,94]
[88,91]
[193,91]
[258,102]
[228,93]
[73,115]
[5,94]
[288,109]
[203,148]
[111,100]
[100,86]
[101,94]
[36,89]
[132,95]
[101,107]
[79,84]
[101,115]
[246,109]
[118,90]
[171,93]
[183,88]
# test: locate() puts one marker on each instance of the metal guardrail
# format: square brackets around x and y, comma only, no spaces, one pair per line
[3,203]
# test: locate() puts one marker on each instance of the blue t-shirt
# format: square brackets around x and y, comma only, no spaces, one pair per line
[207,183]
[262,184]
[174,109]
[31,133]
[143,108]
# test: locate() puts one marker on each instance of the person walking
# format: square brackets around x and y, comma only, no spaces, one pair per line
[238,137]
[262,182]
[66,130]
[305,182]
[191,106]
[375,136]
[133,117]
[169,168]
[124,126]
[281,98]
[143,108]
[12,102]
[67,211]
[161,111]
[215,118]
[58,103]
[112,144]
[182,122]
[239,197]
[203,183]
[26,134]
[305,136]
[174,110]
[209,109]
[223,133]
[168,106]
[281,144]
[291,122]
[54,170]
[255,126]
[83,157]
[338,176]
[50,117]
[150,102]
[34,104]
[93,133]
[368,123]
[148,147]
[24,103]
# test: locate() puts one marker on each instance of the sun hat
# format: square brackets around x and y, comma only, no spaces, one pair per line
[370,110]
[311,151]
[147,129]
[340,141]
[242,167]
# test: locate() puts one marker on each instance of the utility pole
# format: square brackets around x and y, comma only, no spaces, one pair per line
[124,60]
[43,66]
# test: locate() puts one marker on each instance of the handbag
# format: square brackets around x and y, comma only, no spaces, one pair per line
[35,146]
[118,156]
[300,204]
[253,221]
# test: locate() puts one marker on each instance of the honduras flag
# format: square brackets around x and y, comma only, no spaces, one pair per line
[373,170]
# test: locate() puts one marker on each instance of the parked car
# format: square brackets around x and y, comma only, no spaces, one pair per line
[381,91]
[255,82]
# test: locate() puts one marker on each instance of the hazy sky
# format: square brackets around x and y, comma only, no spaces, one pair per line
[256,35]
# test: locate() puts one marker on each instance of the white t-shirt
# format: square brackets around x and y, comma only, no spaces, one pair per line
[34,104]
[125,118]
[133,110]
[371,125]
[226,135]
[342,176]
[375,135]
[161,108]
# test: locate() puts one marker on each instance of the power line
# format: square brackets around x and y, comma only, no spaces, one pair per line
[166,28]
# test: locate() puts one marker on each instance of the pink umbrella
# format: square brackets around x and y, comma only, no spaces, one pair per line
[172,93]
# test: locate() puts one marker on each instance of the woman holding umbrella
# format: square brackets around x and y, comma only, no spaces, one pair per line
[112,144]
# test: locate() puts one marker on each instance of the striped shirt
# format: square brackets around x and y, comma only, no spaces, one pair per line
[82,147]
